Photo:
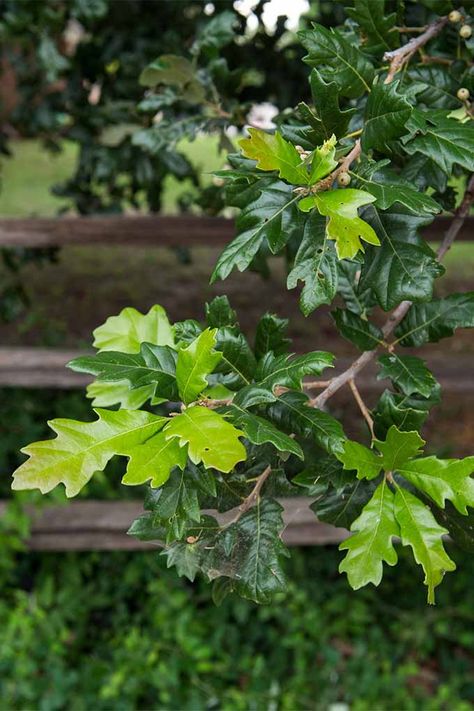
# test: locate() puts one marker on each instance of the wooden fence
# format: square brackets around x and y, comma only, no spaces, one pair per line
[94,525]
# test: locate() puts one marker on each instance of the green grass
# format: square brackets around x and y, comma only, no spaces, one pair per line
[28,176]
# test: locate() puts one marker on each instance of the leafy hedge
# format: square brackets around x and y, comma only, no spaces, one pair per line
[122,632]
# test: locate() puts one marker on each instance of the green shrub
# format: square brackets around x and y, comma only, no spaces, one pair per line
[119,631]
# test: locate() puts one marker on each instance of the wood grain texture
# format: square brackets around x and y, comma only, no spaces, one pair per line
[102,525]
[46,368]
[142,231]
[149,231]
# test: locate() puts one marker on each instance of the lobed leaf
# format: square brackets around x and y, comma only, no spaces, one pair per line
[194,364]
[408,373]
[273,152]
[337,60]
[438,319]
[420,531]
[83,448]
[210,439]
[372,543]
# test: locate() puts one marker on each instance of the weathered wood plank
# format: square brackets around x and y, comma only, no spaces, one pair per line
[33,367]
[148,231]
[142,231]
[102,525]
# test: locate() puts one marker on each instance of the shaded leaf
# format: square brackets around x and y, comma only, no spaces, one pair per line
[292,412]
[341,506]
[288,370]
[337,60]
[153,366]
[327,118]
[408,373]
[219,313]
[376,25]
[271,336]
[446,141]
[407,413]
[438,319]
[259,431]
[404,268]
[269,217]
[316,265]
[389,189]
[364,334]
[386,114]
[237,356]
[250,551]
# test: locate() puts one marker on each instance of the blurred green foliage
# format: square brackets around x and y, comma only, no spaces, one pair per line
[119,631]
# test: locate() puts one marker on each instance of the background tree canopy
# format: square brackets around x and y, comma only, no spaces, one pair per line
[77,65]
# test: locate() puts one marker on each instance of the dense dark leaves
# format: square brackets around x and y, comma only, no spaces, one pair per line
[404,267]
[337,60]
[386,114]
[269,217]
[436,320]
[315,265]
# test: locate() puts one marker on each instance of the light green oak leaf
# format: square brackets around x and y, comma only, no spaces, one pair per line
[372,542]
[344,226]
[83,448]
[195,363]
[210,438]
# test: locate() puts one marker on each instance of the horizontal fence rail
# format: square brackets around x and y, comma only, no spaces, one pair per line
[33,367]
[149,231]
[103,525]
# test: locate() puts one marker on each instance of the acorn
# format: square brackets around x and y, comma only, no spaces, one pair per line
[463,94]
[455,16]
[343,179]
[465,32]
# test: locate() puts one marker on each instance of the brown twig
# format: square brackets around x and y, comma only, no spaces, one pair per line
[362,407]
[400,312]
[307,387]
[428,59]
[252,498]
[409,30]
[399,57]
[343,167]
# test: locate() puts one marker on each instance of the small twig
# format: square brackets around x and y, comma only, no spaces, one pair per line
[311,385]
[252,498]
[399,57]
[408,30]
[362,407]
[211,404]
[428,59]
[459,217]
[344,166]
